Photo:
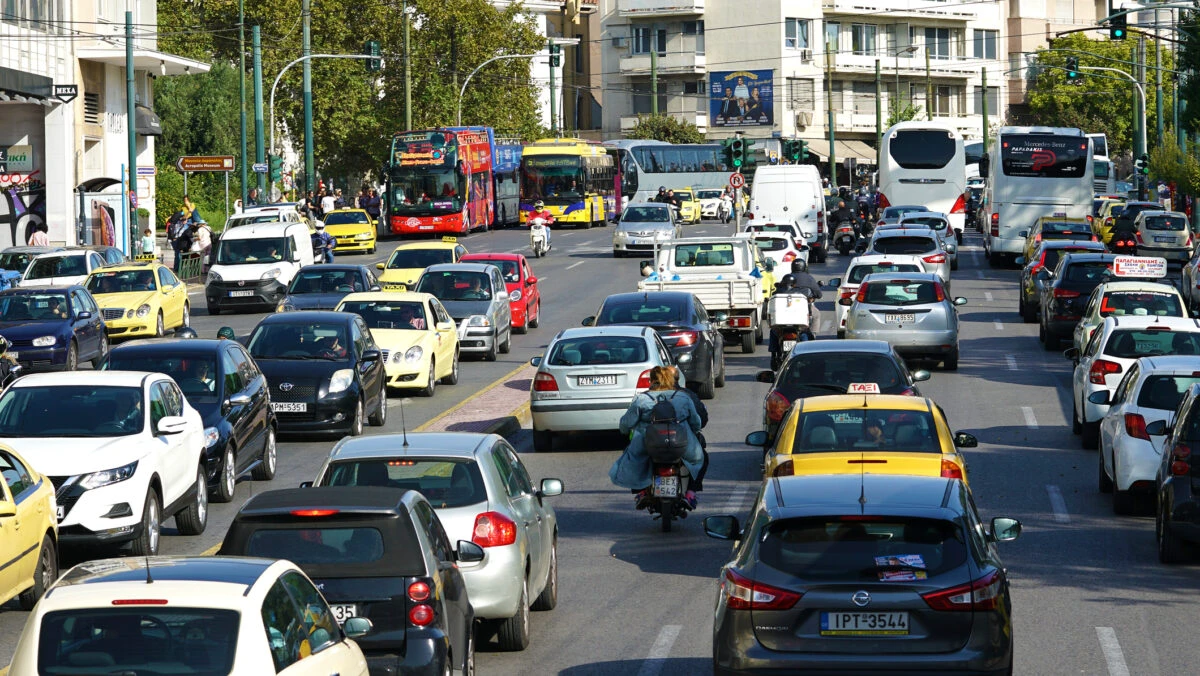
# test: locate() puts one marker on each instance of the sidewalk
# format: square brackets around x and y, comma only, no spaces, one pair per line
[490,411]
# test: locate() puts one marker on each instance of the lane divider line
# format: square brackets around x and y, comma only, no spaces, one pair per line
[1030,420]
[660,651]
[826,325]
[998,324]
[1059,507]
[575,265]
[1012,362]
[1111,648]
[988,296]
[736,498]
[980,274]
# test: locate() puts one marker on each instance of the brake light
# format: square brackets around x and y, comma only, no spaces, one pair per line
[421,615]
[739,322]
[941,293]
[789,257]
[1188,241]
[960,205]
[1135,426]
[643,382]
[847,297]
[789,335]
[742,593]
[777,405]
[1139,238]
[820,221]
[1091,219]
[664,470]
[785,468]
[861,296]
[682,338]
[950,470]
[314,512]
[935,258]
[995,224]
[419,591]
[493,529]
[544,382]
[139,602]
[982,594]
[1037,237]
[1180,465]
[749,215]
[1101,368]
[1065,293]
[883,201]
[908,392]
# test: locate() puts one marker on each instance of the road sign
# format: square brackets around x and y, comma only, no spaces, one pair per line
[737,180]
[216,163]
[147,171]
[1139,266]
[259,167]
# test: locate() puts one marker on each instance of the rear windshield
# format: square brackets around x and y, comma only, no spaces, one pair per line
[326,281]
[1090,271]
[1139,303]
[57,266]
[1050,257]
[771,244]
[905,245]
[703,255]
[922,148]
[1049,227]
[142,639]
[598,350]
[419,258]
[16,262]
[833,372]
[444,482]
[640,313]
[891,213]
[1172,223]
[1134,343]
[868,549]
[858,272]
[931,222]
[317,545]
[864,428]
[903,292]
[1165,392]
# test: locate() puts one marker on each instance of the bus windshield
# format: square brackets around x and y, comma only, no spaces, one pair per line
[555,179]
[1043,155]
[422,191]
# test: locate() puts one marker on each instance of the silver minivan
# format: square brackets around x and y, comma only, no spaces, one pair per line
[1164,234]
[911,311]
[477,298]
[920,242]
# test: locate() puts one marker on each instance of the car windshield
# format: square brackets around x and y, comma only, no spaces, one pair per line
[1139,303]
[1135,343]
[902,292]
[57,266]
[703,255]
[445,482]
[859,272]
[863,549]
[1171,223]
[456,285]
[866,428]
[317,545]
[1165,392]
[646,215]
[299,341]
[195,374]
[905,245]
[121,281]
[269,217]
[345,218]
[1050,257]
[833,372]
[24,307]
[708,194]
[16,262]
[389,314]
[407,259]
[771,243]
[325,281]
[1093,272]
[592,350]
[640,312]
[249,251]
[142,639]
[95,411]
[685,195]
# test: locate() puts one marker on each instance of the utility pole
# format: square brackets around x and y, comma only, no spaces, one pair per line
[242,89]
[553,107]
[1175,108]
[878,112]
[832,133]
[1158,88]
[654,81]
[259,143]
[306,17]
[1140,74]
[408,123]
[131,126]
[983,86]
[928,88]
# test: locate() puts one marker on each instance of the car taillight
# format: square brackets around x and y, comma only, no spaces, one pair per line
[847,297]
[820,222]
[419,591]
[935,258]
[665,470]
[544,382]
[1188,241]
[1101,368]
[789,335]
[883,201]
[1180,465]
[950,470]
[742,593]
[421,615]
[683,338]
[139,602]
[960,205]
[1135,426]
[749,215]
[493,529]
[789,257]
[861,296]
[777,405]
[939,292]
[996,224]
[1091,219]
[643,382]
[1065,293]
[314,512]
[1139,238]
[982,594]
[1037,237]
[785,468]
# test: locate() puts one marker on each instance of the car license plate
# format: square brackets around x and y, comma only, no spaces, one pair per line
[666,487]
[589,381]
[788,345]
[1164,240]
[864,624]
[343,611]
[900,319]
[289,406]
[241,294]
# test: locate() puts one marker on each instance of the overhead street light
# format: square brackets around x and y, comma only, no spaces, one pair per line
[907,50]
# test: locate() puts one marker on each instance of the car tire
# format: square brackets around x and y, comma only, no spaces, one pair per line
[356,425]
[1103,483]
[1124,502]
[160,327]
[708,386]
[1028,314]
[44,574]
[543,441]
[950,363]
[490,355]
[194,518]
[719,380]
[524,327]
[548,599]
[513,633]
[1089,435]
[506,346]
[1170,547]
[748,343]
[214,310]
[994,260]
[1076,425]
[269,462]
[146,543]
[452,377]
[227,477]
[537,316]
[954,263]
[103,354]
[379,417]
[72,362]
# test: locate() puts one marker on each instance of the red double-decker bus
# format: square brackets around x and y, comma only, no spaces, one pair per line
[440,181]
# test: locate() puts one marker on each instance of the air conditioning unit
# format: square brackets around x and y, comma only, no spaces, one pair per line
[806,55]
[618,41]
[803,119]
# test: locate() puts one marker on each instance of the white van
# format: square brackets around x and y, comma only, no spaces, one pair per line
[791,193]
[255,264]
[283,212]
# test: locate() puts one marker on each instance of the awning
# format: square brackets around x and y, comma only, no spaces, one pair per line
[818,147]
[97,184]
[856,149]
[148,123]
[149,60]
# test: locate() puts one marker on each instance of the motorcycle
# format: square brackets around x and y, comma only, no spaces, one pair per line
[668,486]
[10,368]
[792,315]
[538,240]
[844,237]
[725,210]
[1124,244]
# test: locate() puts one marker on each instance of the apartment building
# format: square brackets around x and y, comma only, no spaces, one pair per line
[1030,24]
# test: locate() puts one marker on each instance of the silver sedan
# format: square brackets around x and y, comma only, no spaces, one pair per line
[644,225]
[911,311]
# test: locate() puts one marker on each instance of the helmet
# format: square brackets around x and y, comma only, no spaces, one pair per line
[799,265]
[788,282]
[319,225]
[227,333]
[662,188]
[186,332]
[539,205]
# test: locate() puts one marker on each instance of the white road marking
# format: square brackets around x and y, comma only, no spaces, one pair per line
[1012,362]
[736,498]
[988,296]
[575,265]
[1112,651]
[1030,419]
[661,649]
[998,324]
[826,325]
[1059,507]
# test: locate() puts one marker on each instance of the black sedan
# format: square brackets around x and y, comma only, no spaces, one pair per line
[323,286]
[324,369]
[1065,292]
[224,385]
[683,324]
[1045,257]
[52,328]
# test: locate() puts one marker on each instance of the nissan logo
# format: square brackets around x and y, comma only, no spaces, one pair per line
[861,598]
[287,387]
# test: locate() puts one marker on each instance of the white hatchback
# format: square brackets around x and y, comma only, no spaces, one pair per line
[61,268]
[781,249]
[187,615]
[860,267]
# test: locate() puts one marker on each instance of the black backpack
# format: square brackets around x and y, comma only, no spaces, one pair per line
[666,436]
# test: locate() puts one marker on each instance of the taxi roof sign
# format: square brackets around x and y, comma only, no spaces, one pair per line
[863,388]
[450,240]
[1139,266]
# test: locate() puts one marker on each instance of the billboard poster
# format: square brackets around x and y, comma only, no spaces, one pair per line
[741,98]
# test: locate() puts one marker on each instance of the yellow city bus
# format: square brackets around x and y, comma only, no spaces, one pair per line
[575,179]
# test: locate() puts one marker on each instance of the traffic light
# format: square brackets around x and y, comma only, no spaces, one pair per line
[792,150]
[1116,27]
[803,150]
[747,153]
[737,152]
[1142,166]
[371,48]
[276,167]
[555,55]
[1072,68]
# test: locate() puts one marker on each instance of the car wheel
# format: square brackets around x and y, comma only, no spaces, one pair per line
[506,346]
[428,390]
[193,519]
[524,327]
[490,355]
[954,263]
[452,378]
[146,543]
[160,328]
[549,596]
[1089,435]
[469,663]
[537,316]
[1170,548]
[103,353]
[719,381]
[543,441]
[1028,314]
[72,356]
[379,418]
[187,314]
[356,425]
[227,481]
[265,469]
[1103,483]
[44,574]
[951,361]
[513,633]
[748,343]
[1076,426]
[708,387]
[994,260]
[214,310]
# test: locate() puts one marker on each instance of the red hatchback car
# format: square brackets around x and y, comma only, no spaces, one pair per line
[524,299]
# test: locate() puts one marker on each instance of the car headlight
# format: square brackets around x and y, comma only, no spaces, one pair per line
[515,295]
[213,277]
[108,476]
[414,354]
[363,235]
[664,234]
[211,437]
[340,380]
[620,234]
[286,306]
[479,320]
[44,341]
[143,310]
[273,273]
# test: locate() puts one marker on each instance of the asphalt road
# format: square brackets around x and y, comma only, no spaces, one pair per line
[1089,595]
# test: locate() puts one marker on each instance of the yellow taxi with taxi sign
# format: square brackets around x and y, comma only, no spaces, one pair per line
[416,336]
[864,431]
[142,299]
[1132,293]
[410,259]
[353,229]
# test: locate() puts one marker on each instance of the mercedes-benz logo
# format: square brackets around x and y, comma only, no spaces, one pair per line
[241,282]
[287,387]
[861,598]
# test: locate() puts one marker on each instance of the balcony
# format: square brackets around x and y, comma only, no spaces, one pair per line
[699,119]
[647,8]
[864,64]
[673,63]
[864,123]
[910,9]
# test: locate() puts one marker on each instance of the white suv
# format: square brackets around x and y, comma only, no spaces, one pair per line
[201,615]
[124,450]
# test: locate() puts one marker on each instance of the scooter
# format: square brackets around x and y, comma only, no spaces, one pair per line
[793,315]
[10,369]
[844,237]
[1124,244]
[725,210]
[538,239]
[668,486]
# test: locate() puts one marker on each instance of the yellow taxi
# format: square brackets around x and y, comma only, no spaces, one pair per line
[140,299]
[353,229]
[416,334]
[1047,228]
[410,259]
[28,531]
[689,205]
[873,433]
[1106,214]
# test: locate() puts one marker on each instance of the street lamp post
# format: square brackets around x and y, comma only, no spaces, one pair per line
[563,42]
[907,50]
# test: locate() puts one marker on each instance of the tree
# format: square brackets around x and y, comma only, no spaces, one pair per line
[1169,163]
[902,113]
[665,128]
[1189,62]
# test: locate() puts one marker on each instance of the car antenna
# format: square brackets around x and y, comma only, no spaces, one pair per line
[149,579]
[403,425]
[862,489]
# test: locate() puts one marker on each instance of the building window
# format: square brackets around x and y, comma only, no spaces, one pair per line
[985,44]
[832,29]
[10,11]
[862,37]
[642,99]
[800,93]
[864,98]
[642,37]
[937,42]
[795,33]
[993,101]
[697,92]
[1064,11]
[92,110]
[696,29]
[661,41]
[943,100]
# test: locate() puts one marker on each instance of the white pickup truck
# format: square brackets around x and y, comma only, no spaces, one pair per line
[725,273]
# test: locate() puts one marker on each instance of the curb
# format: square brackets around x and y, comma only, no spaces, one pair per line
[508,426]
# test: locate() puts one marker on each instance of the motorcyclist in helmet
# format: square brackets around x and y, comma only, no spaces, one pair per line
[539,211]
[662,197]
[844,214]
[802,279]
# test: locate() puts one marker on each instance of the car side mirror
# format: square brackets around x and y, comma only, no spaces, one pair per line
[964,440]
[444,326]
[1100,398]
[1023,233]
[834,283]
[530,281]
[468,552]
[1071,353]
[1005,529]
[1157,428]
[380,266]
[960,301]
[722,527]
[588,321]
[296,256]
[374,287]
[920,375]
[759,439]
[172,424]
[1020,260]
[1043,274]
[550,488]
[83,315]
[239,400]
[372,354]
[306,484]
[767,377]
[535,362]
[357,627]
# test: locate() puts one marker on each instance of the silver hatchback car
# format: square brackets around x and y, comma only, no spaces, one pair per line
[939,223]
[643,225]
[911,311]
[481,492]
[920,242]
[476,297]
[589,375]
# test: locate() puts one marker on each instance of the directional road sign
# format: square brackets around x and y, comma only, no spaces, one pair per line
[259,167]
[205,163]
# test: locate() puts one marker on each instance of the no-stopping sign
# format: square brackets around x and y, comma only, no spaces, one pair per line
[737,180]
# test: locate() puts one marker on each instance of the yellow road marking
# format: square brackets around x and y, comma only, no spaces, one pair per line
[208,552]
[499,382]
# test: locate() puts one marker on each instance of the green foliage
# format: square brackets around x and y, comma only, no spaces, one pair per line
[898,112]
[665,128]
[1189,61]
[1169,163]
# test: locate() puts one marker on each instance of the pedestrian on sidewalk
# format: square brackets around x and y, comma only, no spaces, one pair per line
[374,205]
[39,237]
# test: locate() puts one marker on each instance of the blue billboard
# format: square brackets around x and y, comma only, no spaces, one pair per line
[741,98]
